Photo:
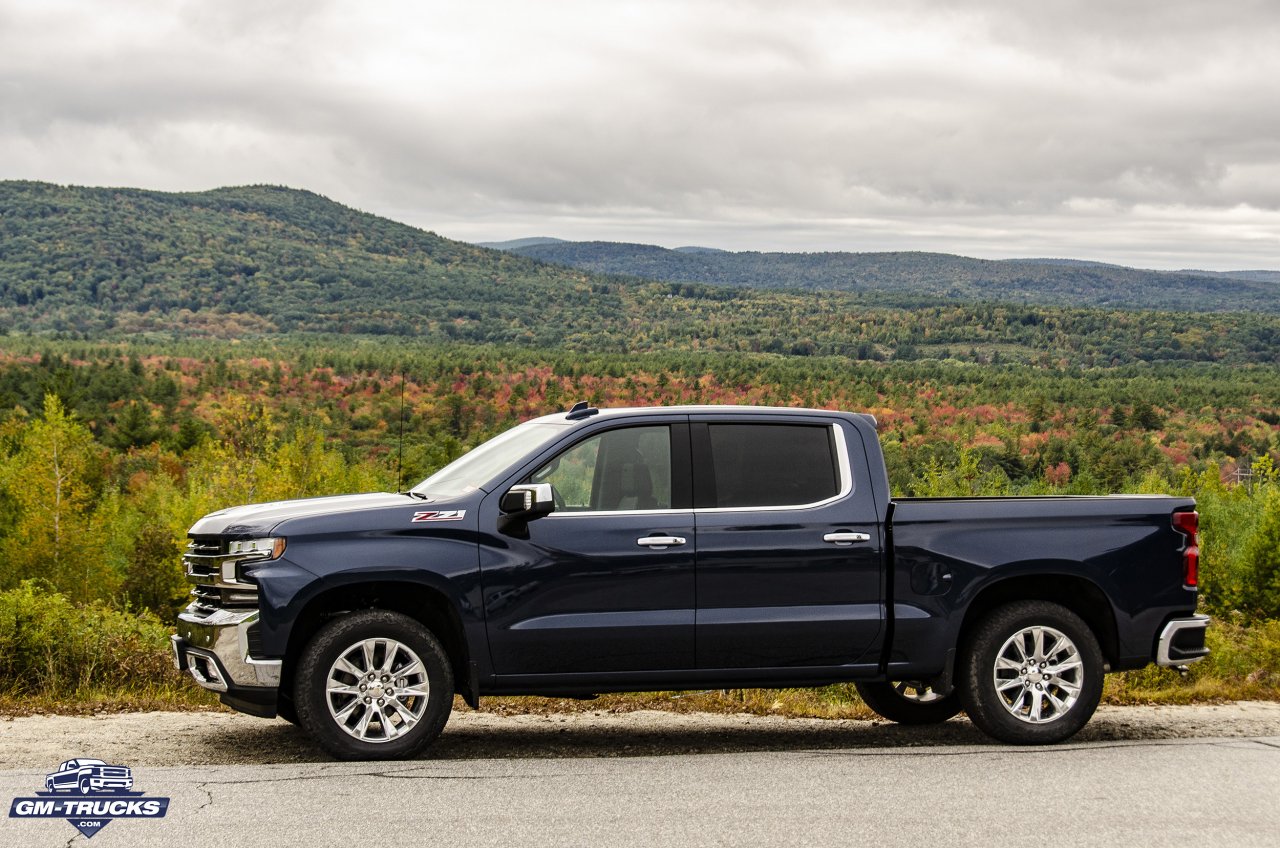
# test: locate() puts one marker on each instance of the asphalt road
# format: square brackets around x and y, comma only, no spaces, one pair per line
[1194,792]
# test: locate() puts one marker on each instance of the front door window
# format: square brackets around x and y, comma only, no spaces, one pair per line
[620,470]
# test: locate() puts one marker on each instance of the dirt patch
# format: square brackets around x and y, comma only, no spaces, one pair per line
[201,738]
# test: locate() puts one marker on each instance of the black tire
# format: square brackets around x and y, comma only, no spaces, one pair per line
[339,638]
[891,701]
[1009,717]
[85,788]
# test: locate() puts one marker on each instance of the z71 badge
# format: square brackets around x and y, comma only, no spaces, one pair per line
[440,515]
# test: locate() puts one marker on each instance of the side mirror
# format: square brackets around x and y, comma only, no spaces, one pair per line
[527,501]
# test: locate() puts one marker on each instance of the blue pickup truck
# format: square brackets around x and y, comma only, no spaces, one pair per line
[682,548]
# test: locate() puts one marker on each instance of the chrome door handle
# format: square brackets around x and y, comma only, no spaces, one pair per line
[846,538]
[659,543]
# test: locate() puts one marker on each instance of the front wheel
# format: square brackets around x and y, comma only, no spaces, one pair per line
[374,685]
[1032,674]
[909,701]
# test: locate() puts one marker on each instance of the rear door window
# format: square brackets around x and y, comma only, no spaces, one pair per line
[755,465]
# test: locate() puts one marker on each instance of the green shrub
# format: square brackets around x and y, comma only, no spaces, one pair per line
[50,647]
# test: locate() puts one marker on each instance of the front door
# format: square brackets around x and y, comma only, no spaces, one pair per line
[789,549]
[606,582]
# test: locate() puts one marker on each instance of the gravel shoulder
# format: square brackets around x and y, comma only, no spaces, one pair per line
[217,738]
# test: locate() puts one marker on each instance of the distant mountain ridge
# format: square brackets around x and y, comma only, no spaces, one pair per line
[1259,276]
[913,275]
[513,244]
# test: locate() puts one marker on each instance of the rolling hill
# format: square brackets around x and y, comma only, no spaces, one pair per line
[89,263]
[911,276]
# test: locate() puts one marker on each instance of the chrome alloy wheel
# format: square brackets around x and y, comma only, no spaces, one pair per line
[377,690]
[915,691]
[1038,674]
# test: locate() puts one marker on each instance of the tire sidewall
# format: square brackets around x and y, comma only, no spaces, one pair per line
[885,701]
[334,639]
[978,693]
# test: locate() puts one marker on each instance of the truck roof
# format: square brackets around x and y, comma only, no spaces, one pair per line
[582,412]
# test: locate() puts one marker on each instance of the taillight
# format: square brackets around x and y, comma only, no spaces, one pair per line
[1188,524]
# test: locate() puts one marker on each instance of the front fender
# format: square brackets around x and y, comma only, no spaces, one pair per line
[443,560]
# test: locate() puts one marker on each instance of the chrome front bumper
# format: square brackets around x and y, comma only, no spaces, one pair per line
[1182,641]
[214,649]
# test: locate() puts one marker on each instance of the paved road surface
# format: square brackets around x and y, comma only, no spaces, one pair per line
[1195,792]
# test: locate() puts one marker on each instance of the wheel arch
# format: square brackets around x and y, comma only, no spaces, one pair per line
[423,603]
[1078,594]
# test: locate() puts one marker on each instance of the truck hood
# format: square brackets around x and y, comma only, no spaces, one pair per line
[259,519]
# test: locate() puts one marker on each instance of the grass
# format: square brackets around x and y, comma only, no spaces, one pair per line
[839,701]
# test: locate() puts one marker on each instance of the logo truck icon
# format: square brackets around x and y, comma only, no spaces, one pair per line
[89,776]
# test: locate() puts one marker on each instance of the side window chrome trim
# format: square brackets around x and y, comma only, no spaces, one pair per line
[846,485]
[598,512]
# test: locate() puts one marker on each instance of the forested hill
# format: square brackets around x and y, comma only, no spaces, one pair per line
[913,275]
[245,262]
[257,258]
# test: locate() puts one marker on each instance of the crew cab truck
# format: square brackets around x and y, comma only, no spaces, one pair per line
[682,548]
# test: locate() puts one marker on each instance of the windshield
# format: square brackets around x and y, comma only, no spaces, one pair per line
[477,467]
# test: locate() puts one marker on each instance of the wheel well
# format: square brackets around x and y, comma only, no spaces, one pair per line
[421,603]
[1077,594]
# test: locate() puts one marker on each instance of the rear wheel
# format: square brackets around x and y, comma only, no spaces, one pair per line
[909,701]
[374,685]
[1032,673]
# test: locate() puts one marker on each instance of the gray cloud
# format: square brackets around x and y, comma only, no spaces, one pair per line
[1140,132]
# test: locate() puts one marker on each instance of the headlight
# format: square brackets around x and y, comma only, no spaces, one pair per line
[273,547]
[253,550]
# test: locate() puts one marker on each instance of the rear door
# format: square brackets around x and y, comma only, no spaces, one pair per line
[789,567]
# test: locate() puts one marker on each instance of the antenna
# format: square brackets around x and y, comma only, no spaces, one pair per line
[580,410]
[400,446]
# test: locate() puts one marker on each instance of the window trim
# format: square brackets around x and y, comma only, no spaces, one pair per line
[842,465]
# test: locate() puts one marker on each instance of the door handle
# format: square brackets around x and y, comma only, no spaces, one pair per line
[844,537]
[659,543]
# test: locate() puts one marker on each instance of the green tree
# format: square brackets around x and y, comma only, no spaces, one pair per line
[1261,553]
[134,428]
[152,534]
[57,532]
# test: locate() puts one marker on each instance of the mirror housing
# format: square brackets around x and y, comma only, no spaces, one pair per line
[527,501]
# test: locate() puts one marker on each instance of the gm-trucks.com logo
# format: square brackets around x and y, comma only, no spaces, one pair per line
[89,794]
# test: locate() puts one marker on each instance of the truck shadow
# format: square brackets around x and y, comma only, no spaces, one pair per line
[617,736]
[484,736]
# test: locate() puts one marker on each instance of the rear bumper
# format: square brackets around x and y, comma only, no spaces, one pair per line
[1182,641]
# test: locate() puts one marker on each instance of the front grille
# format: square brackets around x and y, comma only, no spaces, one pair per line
[203,559]
[203,563]
[210,599]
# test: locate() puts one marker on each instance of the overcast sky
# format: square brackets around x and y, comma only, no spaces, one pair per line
[1136,131]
